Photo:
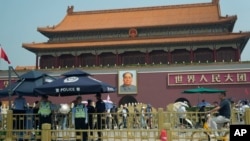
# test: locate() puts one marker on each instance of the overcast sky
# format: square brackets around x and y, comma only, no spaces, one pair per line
[20,19]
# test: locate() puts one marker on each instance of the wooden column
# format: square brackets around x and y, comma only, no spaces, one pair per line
[117,58]
[96,59]
[37,62]
[56,62]
[191,55]
[214,54]
[76,61]
[238,58]
[147,57]
[169,56]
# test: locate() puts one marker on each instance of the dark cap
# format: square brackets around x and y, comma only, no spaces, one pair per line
[44,96]
[78,97]
[89,100]
[98,95]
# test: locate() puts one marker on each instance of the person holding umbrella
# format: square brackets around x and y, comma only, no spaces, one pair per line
[80,118]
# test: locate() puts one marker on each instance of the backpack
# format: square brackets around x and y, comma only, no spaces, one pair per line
[113,109]
[127,112]
[137,112]
[148,111]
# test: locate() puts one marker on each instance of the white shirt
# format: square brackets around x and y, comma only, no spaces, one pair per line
[182,111]
[124,112]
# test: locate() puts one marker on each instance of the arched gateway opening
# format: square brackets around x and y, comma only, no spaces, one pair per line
[127,99]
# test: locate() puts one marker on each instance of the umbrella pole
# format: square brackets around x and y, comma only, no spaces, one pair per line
[10,91]
[198,98]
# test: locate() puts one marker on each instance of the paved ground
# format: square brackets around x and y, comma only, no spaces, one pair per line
[146,135]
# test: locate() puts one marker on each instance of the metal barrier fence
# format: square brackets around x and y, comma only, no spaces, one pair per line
[15,127]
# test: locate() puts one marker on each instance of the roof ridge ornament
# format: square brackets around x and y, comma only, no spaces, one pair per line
[216,1]
[70,9]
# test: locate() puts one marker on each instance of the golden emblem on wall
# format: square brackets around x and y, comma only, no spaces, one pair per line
[133,32]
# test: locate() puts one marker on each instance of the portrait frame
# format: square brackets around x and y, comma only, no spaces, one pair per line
[133,89]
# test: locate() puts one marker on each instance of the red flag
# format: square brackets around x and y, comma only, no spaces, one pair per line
[4,56]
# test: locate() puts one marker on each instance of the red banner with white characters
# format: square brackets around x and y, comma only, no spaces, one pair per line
[208,78]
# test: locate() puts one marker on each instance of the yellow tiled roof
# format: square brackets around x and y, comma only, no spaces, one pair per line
[25,68]
[139,17]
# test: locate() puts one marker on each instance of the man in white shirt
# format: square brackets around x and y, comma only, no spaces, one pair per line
[182,116]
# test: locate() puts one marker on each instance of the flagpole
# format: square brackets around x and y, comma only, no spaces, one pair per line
[10,90]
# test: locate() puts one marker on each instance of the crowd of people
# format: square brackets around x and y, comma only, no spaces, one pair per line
[213,116]
[95,115]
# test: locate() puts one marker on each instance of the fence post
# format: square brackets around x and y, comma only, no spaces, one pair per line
[167,126]
[247,116]
[160,118]
[46,132]
[9,124]
[234,115]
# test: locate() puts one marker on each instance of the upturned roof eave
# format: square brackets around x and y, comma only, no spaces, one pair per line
[34,47]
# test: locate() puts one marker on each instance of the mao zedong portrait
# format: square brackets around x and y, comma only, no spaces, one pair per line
[128,86]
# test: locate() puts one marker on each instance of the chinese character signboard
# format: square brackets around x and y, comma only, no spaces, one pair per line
[209,78]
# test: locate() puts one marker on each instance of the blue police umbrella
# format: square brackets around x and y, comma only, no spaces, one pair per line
[26,83]
[75,82]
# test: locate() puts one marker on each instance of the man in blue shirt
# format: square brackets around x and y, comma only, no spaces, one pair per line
[20,103]
[19,110]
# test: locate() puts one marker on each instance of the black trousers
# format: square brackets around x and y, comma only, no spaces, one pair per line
[81,125]
[90,125]
[44,119]
[100,125]
[114,121]
[20,116]
[183,121]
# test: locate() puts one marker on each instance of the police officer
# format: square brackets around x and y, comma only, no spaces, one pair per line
[45,111]
[80,118]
